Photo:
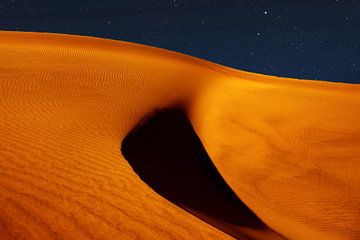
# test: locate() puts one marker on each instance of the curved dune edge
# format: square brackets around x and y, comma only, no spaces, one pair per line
[68,101]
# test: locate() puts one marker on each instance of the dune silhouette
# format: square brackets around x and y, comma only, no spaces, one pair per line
[248,156]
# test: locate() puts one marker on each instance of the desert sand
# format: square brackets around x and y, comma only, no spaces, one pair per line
[284,153]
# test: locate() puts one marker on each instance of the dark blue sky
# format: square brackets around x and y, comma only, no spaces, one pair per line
[317,39]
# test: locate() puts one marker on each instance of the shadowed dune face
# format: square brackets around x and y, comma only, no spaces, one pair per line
[167,154]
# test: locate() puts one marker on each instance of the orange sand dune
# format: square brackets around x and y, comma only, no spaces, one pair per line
[290,150]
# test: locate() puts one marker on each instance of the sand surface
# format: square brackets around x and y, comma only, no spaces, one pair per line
[288,149]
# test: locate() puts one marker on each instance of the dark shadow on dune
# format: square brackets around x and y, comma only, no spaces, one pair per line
[166,153]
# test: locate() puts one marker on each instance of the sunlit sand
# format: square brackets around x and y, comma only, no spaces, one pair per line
[284,151]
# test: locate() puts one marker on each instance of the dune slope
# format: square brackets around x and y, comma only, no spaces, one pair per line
[288,149]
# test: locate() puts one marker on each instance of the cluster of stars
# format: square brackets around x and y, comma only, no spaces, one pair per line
[311,39]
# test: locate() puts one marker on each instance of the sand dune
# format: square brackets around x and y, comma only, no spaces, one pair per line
[283,154]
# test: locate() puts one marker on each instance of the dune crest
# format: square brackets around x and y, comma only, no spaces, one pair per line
[288,149]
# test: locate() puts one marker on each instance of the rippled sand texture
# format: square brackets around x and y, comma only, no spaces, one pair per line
[289,149]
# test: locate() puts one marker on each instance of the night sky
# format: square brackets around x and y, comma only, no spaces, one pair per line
[317,39]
